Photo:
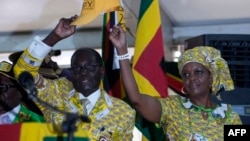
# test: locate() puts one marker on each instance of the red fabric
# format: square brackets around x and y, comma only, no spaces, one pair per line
[10,132]
[174,83]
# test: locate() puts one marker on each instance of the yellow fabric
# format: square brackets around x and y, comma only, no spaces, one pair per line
[27,63]
[117,125]
[179,123]
[92,8]
[211,58]
[38,131]
[144,138]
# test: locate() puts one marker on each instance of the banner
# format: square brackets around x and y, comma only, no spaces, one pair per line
[36,132]
[91,9]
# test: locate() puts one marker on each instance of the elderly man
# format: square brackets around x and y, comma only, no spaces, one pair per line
[111,119]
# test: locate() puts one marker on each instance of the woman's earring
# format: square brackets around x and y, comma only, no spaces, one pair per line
[183,91]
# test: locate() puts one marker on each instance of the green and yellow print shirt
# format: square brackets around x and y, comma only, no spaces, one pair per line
[183,121]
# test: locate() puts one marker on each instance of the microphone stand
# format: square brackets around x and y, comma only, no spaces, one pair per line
[69,125]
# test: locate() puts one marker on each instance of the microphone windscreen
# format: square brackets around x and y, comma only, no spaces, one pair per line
[26,80]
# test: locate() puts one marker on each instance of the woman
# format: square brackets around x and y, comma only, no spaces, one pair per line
[195,116]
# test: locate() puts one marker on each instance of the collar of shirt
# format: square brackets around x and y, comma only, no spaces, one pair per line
[92,98]
[219,111]
[12,114]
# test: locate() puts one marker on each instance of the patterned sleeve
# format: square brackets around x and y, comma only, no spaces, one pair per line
[51,90]
[31,59]
[170,106]
[127,135]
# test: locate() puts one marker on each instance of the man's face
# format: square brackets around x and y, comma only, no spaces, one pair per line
[9,94]
[87,73]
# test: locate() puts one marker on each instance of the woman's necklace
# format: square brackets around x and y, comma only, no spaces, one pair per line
[204,111]
[198,119]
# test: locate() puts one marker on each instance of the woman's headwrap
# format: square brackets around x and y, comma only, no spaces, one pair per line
[212,60]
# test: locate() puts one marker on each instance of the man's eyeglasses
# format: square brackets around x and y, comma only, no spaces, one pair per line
[5,88]
[88,68]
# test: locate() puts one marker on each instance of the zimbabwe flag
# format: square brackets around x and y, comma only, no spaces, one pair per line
[36,132]
[173,77]
[148,58]
[112,81]
[148,63]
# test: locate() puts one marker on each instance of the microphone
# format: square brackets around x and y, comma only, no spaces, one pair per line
[26,80]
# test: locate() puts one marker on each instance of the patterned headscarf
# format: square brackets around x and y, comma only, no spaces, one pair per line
[212,60]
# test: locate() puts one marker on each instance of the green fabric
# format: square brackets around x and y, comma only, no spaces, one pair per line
[26,115]
[149,129]
[144,7]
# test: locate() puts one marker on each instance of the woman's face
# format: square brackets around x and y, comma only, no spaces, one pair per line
[196,78]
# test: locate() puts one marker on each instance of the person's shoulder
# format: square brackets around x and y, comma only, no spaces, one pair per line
[121,107]
[171,98]
[229,108]
[117,102]
[63,80]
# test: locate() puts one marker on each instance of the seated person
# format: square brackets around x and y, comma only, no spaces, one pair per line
[11,93]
